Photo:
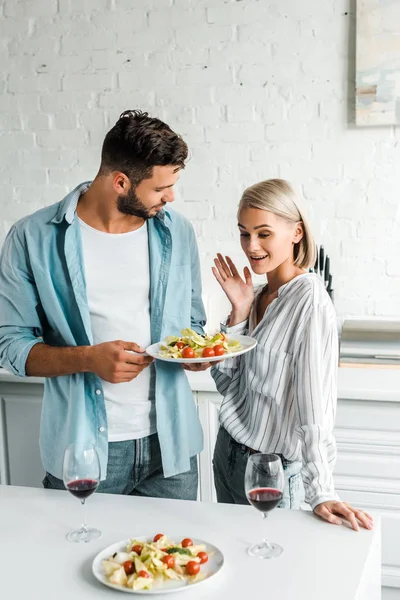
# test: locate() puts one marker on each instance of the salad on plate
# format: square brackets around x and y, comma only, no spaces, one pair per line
[194,345]
[143,565]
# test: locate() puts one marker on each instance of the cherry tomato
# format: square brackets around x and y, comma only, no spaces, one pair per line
[180,345]
[143,574]
[203,556]
[158,537]
[129,567]
[207,352]
[219,350]
[192,567]
[169,561]
[187,542]
[188,352]
[164,549]
[137,548]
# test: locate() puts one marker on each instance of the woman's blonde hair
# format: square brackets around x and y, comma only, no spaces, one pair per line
[277,196]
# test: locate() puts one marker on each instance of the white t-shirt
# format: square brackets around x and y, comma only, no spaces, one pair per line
[118,292]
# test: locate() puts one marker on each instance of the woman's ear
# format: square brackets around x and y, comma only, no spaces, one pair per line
[298,232]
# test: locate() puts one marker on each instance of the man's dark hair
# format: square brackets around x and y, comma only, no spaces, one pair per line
[137,143]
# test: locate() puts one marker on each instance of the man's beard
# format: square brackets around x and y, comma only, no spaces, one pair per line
[131,205]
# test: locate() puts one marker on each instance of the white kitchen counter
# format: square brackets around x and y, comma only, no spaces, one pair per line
[353,384]
[319,562]
[367,472]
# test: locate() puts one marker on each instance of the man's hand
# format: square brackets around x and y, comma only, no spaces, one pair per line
[331,511]
[115,363]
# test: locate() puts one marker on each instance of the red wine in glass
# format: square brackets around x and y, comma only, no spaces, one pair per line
[81,474]
[264,484]
[82,488]
[265,499]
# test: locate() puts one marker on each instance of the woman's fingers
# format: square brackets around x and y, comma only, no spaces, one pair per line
[354,516]
[327,515]
[222,273]
[224,265]
[247,276]
[363,518]
[232,267]
[198,366]
[371,518]
[348,514]
[217,276]
[334,512]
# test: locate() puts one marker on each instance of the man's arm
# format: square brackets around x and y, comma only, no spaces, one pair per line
[48,361]
[21,349]
[112,361]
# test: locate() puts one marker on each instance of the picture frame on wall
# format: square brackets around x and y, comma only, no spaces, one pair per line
[378,63]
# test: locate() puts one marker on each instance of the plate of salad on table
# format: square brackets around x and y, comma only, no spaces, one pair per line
[157,565]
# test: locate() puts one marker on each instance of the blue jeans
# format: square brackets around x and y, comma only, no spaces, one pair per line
[229,465]
[134,468]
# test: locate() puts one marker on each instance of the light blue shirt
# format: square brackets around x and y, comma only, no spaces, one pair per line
[43,298]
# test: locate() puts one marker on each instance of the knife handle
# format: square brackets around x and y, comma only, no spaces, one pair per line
[321,260]
[326,271]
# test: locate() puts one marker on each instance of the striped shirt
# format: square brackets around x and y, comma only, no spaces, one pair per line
[281,397]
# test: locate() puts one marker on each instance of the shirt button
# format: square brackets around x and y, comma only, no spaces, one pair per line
[98,392]
[102,429]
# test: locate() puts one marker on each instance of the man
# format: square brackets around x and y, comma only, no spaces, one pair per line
[85,285]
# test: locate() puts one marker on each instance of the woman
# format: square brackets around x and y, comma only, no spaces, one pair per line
[281,397]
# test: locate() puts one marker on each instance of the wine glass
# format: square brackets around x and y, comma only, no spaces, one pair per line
[81,474]
[264,484]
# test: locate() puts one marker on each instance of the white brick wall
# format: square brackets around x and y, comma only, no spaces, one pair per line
[258,89]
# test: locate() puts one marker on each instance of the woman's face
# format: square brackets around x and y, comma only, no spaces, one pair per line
[266,239]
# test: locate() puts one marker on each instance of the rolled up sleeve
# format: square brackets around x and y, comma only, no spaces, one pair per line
[20,327]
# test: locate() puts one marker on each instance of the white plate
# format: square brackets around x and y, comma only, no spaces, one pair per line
[247,342]
[210,568]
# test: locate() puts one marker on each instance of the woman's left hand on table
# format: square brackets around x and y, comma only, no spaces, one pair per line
[335,512]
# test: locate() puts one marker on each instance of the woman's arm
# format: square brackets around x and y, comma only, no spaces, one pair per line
[315,396]
[315,388]
[240,293]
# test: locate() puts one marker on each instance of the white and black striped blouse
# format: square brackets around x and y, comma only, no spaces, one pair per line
[281,397]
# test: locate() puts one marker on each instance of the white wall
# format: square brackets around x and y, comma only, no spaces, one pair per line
[258,88]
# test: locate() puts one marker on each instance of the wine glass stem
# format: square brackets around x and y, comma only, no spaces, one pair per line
[265,540]
[84,528]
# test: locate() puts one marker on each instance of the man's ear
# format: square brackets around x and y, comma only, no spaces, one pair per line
[120,183]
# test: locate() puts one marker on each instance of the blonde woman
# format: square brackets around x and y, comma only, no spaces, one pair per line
[281,397]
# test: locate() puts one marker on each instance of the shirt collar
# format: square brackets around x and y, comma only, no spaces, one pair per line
[67,207]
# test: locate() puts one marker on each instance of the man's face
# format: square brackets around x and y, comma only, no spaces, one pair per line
[151,195]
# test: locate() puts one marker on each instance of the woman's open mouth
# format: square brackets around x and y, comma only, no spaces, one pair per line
[258,258]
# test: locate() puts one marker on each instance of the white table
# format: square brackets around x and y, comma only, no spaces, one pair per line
[320,561]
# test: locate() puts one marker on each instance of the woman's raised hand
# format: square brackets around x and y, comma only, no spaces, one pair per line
[239,292]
